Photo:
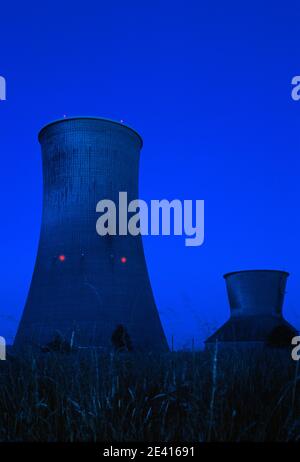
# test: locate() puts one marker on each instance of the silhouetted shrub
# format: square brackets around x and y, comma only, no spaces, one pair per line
[57,344]
[280,336]
[120,339]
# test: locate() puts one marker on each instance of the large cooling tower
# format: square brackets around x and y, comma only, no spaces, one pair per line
[256,300]
[85,285]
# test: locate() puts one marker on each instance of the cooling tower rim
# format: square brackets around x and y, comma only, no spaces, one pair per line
[103,119]
[226,275]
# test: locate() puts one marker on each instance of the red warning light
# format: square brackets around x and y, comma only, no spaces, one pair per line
[123,259]
[62,257]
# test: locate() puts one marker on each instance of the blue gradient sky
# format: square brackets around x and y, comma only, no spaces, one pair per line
[207,84]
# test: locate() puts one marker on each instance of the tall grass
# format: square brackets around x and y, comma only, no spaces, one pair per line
[89,396]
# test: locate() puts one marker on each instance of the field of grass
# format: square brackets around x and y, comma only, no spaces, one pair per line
[180,396]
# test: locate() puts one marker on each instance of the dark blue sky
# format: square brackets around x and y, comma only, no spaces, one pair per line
[207,84]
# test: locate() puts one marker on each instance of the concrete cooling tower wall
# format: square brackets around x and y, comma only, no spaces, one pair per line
[256,300]
[85,285]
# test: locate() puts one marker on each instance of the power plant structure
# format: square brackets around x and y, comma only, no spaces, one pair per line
[256,300]
[86,286]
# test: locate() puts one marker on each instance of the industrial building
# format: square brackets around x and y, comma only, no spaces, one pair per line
[86,286]
[256,300]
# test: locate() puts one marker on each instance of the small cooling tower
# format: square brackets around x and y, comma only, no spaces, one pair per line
[85,285]
[256,300]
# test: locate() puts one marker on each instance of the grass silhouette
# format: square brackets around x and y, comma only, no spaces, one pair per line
[179,396]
